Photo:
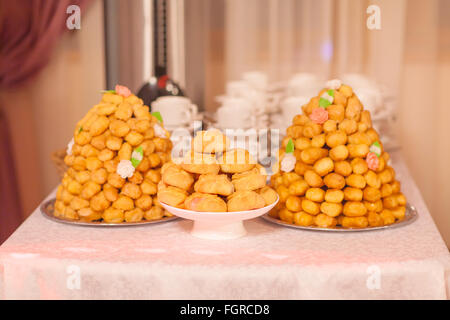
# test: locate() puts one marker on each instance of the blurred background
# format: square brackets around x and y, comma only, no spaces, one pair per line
[50,76]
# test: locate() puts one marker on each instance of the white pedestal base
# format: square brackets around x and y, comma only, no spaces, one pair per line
[218,230]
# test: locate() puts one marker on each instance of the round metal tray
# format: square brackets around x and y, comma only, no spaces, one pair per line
[410,216]
[47,208]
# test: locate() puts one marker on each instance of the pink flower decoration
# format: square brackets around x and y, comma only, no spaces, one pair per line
[123,91]
[319,115]
[372,161]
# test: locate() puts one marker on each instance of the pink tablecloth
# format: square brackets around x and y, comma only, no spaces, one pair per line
[48,260]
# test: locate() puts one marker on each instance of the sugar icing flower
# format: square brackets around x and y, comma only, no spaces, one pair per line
[70,146]
[137,156]
[376,148]
[334,84]
[122,91]
[326,99]
[319,115]
[125,169]
[159,131]
[288,162]
[372,161]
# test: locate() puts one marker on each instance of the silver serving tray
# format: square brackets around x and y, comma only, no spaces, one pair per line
[47,209]
[410,216]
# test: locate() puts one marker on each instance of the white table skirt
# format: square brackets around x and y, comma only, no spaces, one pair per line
[48,260]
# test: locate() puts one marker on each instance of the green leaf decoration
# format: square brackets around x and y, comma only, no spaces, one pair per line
[137,156]
[108,91]
[324,103]
[376,148]
[331,92]
[80,129]
[158,116]
[290,146]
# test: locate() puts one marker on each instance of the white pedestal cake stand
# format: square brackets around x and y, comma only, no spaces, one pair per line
[218,225]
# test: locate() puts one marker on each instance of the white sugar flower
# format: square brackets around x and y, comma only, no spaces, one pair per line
[125,169]
[334,84]
[326,96]
[136,155]
[159,131]
[288,162]
[70,146]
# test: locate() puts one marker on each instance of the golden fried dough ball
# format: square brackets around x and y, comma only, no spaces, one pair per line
[99,126]
[113,215]
[395,186]
[318,141]
[353,110]
[71,214]
[154,175]
[311,130]
[324,166]
[331,209]
[172,196]
[372,194]
[161,144]
[205,203]
[324,221]
[387,216]
[334,181]
[105,155]
[214,184]
[354,209]
[155,213]
[366,119]
[112,98]
[373,135]
[99,202]
[353,194]
[236,160]
[136,178]
[310,207]
[349,126]
[110,193]
[87,214]
[249,180]
[148,147]
[358,150]
[88,151]
[301,168]
[294,203]
[66,197]
[312,154]
[79,163]
[372,179]
[300,119]
[148,187]
[303,219]
[359,138]
[131,190]
[125,151]
[82,138]
[302,143]
[99,142]
[294,131]
[299,187]
[90,189]
[124,111]
[329,126]
[211,141]
[111,165]
[289,177]
[244,200]
[315,194]
[113,143]
[144,202]
[336,112]
[339,153]
[134,215]
[334,195]
[399,212]
[374,219]
[123,203]
[175,176]
[105,109]
[134,138]
[343,168]
[356,181]
[74,187]
[336,138]
[353,222]
[115,180]
[376,206]
[200,163]
[93,163]
[346,90]
[390,202]
[386,190]
[313,179]
[286,216]
[269,195]
[78,203]
[401,199]
[385,176]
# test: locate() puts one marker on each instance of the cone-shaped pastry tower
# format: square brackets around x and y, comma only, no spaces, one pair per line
[114,162]
[333,170]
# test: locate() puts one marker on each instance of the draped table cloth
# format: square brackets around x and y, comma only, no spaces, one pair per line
[49,260]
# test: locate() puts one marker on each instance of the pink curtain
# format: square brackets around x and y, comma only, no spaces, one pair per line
[28,31]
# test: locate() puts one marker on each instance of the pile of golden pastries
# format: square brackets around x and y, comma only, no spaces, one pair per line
[94,188]
[213,178]
[339,174]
